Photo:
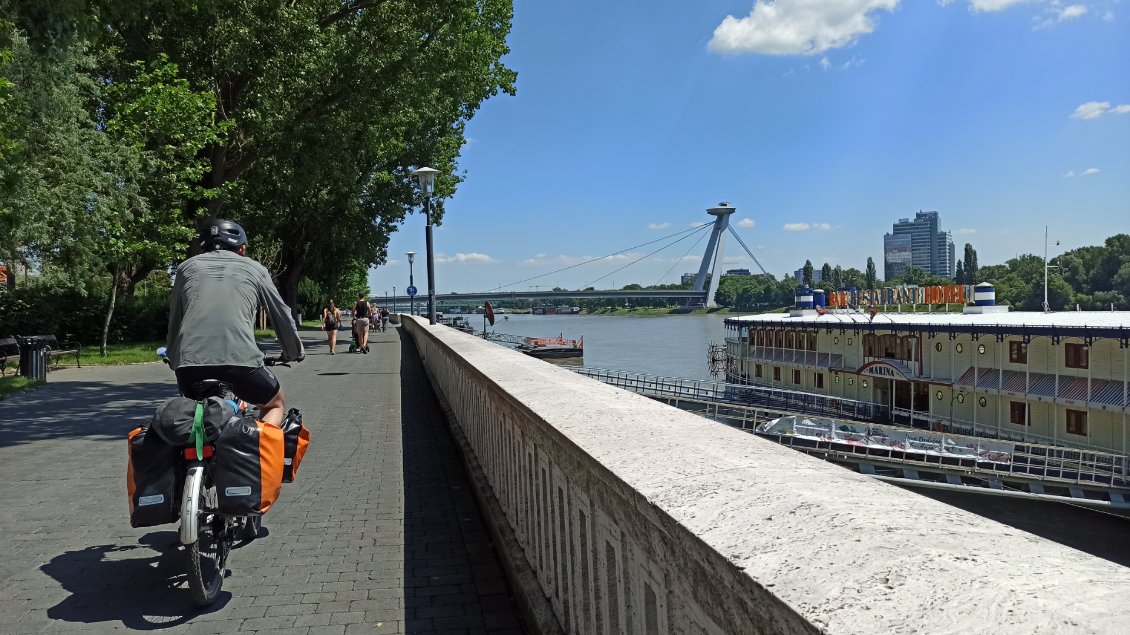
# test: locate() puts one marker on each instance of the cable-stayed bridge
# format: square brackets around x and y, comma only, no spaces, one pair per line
[701,293]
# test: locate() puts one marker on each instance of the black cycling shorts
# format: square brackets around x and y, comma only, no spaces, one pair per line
[253,385]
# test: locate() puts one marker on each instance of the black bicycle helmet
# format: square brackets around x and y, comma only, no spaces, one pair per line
[218,233]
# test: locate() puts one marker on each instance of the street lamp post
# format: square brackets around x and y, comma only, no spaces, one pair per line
[411,282]
[394,298]
[427,177]
[1047,307]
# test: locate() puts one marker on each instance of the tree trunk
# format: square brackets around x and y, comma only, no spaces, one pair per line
[142,272]
[110,309]
[288,286]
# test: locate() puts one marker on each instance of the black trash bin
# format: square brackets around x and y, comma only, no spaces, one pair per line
[33,358]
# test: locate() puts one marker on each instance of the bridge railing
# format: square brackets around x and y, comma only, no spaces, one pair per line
[631,516]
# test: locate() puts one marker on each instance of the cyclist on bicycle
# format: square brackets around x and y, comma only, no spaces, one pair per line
[212,312]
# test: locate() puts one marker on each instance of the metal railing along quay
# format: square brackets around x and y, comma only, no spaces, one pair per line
[676,388]
[744,407]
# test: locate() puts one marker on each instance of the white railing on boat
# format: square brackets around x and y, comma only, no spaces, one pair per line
[775,399]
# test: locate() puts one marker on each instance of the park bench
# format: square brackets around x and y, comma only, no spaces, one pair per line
[55,348]
[59,349]
[9,354]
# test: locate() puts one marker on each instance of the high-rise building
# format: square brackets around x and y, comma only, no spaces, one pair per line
[919,243]
[897,255]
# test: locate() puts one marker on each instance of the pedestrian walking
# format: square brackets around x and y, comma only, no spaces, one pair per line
[362,311]
[384,319]
[331,320]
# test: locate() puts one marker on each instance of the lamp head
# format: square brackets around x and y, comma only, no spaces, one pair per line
[411,255]
[426,177]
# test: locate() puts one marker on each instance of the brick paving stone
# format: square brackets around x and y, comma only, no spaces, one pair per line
[380,527]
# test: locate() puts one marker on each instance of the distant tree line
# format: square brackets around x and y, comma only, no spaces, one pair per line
[1092,278]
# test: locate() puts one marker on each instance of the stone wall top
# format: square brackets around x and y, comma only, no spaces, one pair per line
[846,552]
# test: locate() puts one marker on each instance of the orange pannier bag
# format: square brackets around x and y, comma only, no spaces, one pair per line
[296,438]
[248,467]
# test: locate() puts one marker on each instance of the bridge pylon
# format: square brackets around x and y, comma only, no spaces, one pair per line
[714,251]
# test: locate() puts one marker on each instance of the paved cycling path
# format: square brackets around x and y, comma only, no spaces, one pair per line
[380,534]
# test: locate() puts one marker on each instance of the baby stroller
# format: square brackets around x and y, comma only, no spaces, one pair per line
[353,334]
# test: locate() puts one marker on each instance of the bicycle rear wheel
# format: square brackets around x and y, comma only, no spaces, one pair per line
[208,553]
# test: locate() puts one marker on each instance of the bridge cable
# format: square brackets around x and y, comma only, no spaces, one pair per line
[588,284]
[685,231]
[679,259]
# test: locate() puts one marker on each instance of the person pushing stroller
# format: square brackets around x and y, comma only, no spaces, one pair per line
[361,313]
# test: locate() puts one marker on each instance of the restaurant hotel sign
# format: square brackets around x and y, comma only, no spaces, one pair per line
[950,294]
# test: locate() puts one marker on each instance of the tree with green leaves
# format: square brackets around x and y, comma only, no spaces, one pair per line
[869,277]
[852,278]
[826,275]
[330,105]
[837,277]
[324,107]
[806,277]
[959,276]
[970,260]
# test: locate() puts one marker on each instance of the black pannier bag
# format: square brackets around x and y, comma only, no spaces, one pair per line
[173,419]
[247,466]
[154,479]
[296,439]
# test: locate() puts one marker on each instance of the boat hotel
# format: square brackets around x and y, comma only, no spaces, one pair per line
[1048,378]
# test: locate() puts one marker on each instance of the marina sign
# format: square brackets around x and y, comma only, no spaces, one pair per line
[881,369]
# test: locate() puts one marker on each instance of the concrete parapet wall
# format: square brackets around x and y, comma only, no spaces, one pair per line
[641,518]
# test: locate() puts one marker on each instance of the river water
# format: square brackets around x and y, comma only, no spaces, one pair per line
[668,345]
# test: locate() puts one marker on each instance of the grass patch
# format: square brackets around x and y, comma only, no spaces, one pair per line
[118,354]
[14,383]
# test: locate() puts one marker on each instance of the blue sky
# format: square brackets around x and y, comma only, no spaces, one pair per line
[822,121]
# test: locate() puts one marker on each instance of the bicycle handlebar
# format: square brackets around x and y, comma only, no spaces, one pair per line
[267,361]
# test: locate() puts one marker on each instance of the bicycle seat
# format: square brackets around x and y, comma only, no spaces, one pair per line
[210,388]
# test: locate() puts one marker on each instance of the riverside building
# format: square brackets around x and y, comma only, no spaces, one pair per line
[1049,378]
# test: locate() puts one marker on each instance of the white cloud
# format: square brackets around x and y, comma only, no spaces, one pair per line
[1088,172]
[462,258]
[697,224]
[824,63]
[1096,109]
[992,5]
[564,260]
[1073,11]
[1055,13]
[658,225]
[798,27]
[803,227]
[747,223]
[966,231]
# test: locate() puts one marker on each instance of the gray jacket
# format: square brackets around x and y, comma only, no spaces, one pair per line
[212,312]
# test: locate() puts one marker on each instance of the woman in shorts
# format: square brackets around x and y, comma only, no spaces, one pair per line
[331,319]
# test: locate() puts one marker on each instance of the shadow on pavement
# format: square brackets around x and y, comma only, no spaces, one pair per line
[145,590]
[81,409]
[452,577]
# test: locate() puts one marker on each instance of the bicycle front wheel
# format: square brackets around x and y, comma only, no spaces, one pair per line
[207,555]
